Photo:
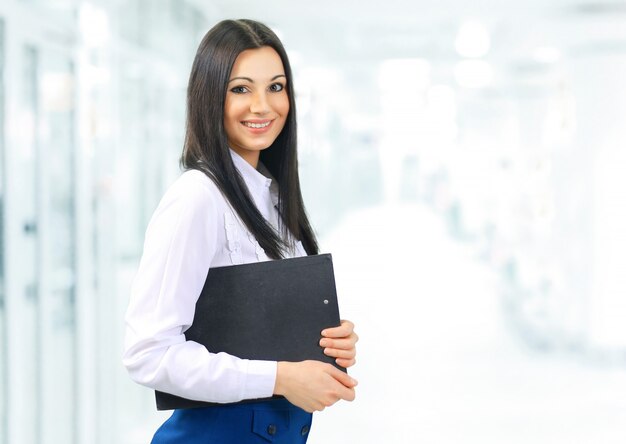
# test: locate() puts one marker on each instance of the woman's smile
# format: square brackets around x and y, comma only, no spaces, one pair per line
[257,126]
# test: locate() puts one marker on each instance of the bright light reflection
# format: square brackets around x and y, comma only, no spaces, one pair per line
[472,39]
[94,25]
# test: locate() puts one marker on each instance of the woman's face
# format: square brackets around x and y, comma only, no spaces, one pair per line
[257,104]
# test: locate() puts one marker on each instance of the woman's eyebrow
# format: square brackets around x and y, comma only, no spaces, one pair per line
[248,79]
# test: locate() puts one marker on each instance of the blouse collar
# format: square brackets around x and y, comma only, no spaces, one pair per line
[256,179]
[251,175]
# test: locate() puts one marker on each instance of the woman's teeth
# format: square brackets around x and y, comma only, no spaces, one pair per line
[256,125]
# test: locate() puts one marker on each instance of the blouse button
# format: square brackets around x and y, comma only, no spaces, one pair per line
[304,430]
[271,429]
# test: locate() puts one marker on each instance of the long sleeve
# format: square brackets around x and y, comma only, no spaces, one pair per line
[180,243]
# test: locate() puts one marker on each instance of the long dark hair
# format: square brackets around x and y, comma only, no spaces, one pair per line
[206,145]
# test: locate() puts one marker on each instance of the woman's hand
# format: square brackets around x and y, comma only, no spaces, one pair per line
[340,342]
[313,385]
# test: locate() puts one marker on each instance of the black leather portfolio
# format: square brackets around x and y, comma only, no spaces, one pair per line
[272,310]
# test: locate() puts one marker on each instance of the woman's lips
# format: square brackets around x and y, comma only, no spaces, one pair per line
[257,126]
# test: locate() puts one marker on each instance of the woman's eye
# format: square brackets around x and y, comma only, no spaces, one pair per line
[276,87]
[238,89]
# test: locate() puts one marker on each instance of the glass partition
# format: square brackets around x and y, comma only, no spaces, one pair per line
[41,354]
[23,312]
[58,228]
[3,330]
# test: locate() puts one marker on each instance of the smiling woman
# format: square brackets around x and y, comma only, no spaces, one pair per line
[238,201]
[257,104]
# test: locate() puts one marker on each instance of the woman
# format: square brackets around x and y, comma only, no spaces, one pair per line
[238,201]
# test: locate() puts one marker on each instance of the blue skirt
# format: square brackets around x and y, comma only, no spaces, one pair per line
[276,421]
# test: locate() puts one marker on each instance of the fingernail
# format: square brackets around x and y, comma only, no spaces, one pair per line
[323,342]
[354,381]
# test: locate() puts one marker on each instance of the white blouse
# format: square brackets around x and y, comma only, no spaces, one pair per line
[193,229]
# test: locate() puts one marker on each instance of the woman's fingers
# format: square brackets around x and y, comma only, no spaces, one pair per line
[345,329]
[313,385]
[344,378]
[340,343]
[345,363]
[338,353]
[345,358]
[344,343]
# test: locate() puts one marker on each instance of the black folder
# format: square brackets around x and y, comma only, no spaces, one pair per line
[272,310]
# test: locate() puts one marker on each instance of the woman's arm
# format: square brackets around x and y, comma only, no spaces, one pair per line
[180,243]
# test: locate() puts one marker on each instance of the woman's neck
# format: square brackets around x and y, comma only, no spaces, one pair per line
[252,157]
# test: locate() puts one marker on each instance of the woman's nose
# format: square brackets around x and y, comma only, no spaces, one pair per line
[259,103]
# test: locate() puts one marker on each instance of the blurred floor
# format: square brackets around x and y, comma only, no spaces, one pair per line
[436,364]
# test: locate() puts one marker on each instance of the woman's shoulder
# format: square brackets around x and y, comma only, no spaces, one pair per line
[196,183]
[192,189]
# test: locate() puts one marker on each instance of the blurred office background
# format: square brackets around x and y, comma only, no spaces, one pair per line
[463,161]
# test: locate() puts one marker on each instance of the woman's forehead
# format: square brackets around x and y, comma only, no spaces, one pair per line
[258,64]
